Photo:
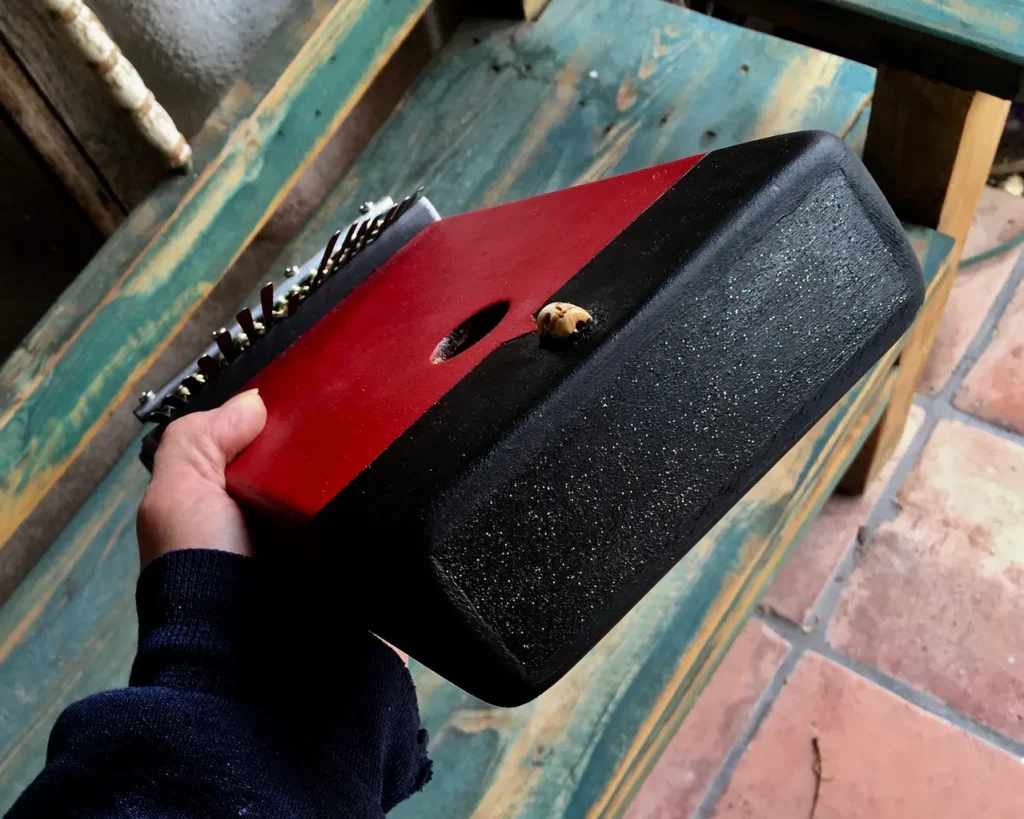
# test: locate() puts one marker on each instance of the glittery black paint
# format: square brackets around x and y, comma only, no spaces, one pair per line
[533,506]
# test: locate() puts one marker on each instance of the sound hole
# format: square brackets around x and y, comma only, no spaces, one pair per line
[469,332]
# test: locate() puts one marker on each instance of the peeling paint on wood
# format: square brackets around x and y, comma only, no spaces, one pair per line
[108,327]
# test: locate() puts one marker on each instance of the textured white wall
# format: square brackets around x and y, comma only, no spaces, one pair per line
[189,51]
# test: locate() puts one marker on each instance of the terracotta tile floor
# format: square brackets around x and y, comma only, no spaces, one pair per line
[884,675]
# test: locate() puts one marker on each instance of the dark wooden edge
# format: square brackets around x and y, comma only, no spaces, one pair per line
[511,9]
[875,41]
[48,134]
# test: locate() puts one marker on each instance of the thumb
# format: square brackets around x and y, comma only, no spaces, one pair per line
[206,442]
[185,505]
[236,424]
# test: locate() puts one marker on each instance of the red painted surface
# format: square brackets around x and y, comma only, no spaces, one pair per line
[340,395]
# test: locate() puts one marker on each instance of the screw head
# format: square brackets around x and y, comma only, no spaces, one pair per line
[366,207]
[146,397]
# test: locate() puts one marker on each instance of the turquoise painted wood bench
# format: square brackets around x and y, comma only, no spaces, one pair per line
[104,333]
[507,110]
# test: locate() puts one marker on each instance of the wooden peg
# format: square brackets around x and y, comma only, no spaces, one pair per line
[90,37]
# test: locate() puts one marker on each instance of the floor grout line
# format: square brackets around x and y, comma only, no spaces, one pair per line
[937,407]
[985,333]
[883,509]
[709,801]
[816,642]
[980,423]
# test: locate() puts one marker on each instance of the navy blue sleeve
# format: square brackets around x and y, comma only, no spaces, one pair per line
[248,697]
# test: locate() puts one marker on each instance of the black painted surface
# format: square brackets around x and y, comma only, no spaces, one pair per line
[533,506]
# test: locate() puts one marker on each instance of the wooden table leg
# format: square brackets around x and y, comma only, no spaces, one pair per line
[930,148]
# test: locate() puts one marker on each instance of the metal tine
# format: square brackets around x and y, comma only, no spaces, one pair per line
[174,401]
[294,298]
[389,217]
[208,366]
[403,206]
[226,345]
[360,234]
[339,260]
[346,244]
[328,252]
[349,237]
[378,227]
[160,415]
[392,215]
[247,324]
[194,383]
[364,228]
[409,201]
[267,303]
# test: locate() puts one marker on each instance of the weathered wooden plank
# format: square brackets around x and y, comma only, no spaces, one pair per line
[85,356]
[585,745]
[69,629]
[589,90]
[37,121]
[930,147]
[972,44]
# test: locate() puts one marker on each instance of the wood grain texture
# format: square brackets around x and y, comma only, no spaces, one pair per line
[477,134]
[507,111]
[972,44]
[930,147]
[44,129]
[100,337]
[120,154]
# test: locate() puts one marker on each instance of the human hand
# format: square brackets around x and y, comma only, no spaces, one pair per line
[187,505]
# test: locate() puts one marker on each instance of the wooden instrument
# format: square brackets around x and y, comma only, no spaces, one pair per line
[523,416]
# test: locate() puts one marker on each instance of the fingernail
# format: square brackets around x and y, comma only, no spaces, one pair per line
[242,396]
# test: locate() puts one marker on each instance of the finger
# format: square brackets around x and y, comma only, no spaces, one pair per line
[206,442]
[236,424]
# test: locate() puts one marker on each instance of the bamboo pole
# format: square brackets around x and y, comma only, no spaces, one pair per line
[92,40]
